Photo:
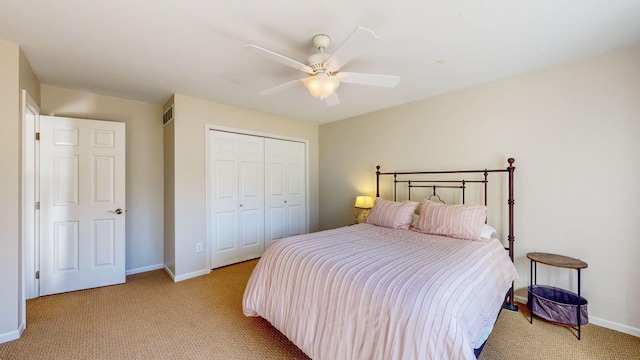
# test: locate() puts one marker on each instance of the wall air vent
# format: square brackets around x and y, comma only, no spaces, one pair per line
[167,117]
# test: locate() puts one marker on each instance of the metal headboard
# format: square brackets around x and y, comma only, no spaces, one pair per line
[458,184]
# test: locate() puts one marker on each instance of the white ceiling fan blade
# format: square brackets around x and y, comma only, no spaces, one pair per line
[281,87]
[368,79]
[355,44]
[280,58]
[332,100]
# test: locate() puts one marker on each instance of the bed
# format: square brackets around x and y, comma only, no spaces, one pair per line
[395,287]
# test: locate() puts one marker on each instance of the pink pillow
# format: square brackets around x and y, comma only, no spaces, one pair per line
[397,215]
[457,221]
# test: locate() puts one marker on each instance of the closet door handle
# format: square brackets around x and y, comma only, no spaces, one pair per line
[285,201]
[240,205]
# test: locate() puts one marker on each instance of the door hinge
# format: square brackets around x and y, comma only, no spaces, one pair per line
[37,205]
[38,274]
[38,136]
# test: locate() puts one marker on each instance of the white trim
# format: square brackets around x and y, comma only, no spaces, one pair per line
[207,192]
[10,336]
[207,128]
[614,326]
[28,286]
[144,269]
[191,275]
[169,272]
[254,133]
[598,321]
[29,195]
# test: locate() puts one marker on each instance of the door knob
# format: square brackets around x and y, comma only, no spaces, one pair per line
[118,211]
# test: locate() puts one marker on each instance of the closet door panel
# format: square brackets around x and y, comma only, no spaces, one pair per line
[285,184]
[225,232]
[275,224]
[251,197]
[295,223]
[250,234]
[276,187]
[224,198]
[237,197]
[296,184]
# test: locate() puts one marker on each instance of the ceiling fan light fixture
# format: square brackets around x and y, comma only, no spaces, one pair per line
[323,69]
[321,85]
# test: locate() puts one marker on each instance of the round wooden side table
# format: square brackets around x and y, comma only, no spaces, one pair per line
[556,261]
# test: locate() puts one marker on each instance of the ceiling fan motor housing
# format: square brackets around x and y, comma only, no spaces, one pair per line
[317,60]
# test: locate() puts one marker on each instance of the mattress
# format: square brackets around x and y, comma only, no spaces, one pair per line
[368,292]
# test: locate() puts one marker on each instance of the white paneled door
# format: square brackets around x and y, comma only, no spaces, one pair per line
[285,189]
[236,197]
[82,204]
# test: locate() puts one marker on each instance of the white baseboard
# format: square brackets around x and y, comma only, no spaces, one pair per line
[171,274]
[614,326]
[599,321]
[144,269]
[10,336]
[186,276]
[191,275]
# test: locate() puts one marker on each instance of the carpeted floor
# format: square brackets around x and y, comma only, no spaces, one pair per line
[150,317]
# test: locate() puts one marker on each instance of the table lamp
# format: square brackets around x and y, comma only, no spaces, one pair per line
[361,208]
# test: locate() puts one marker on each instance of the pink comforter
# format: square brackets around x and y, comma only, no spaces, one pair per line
[367,292]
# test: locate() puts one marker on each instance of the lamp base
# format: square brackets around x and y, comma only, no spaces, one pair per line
[360,215]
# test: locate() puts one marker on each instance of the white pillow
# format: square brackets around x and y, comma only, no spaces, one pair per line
[487,231]
[396,215]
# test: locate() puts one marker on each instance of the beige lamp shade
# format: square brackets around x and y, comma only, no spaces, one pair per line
[364,202]
[321,85]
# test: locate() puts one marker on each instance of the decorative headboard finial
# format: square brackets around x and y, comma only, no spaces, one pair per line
[511,161]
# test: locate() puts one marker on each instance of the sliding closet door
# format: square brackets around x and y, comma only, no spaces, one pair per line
[285,185]
[236,197]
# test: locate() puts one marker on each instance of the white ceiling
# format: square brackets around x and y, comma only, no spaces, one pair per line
[147,50]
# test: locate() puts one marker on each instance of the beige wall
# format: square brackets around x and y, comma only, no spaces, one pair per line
[29,82]
[191,115]
[15,74]
[574,131]
[9,190]
[144,177]
[28,79]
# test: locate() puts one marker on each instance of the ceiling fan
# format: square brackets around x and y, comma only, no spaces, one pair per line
[323,69]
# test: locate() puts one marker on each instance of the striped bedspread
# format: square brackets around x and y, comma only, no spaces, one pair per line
[368,292]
